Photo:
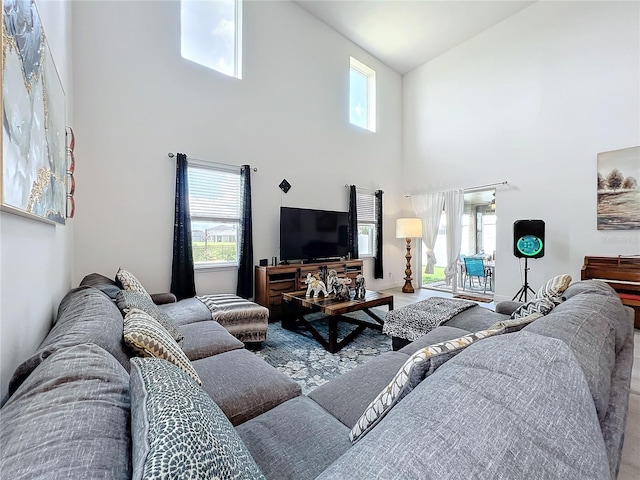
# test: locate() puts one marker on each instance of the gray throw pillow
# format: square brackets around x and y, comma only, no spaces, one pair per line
[177,429]
[102,283]
[128,299]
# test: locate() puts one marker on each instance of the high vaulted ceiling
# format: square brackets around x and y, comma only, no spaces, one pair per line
[405,34]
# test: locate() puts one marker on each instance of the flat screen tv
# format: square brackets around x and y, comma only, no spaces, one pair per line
[307,234]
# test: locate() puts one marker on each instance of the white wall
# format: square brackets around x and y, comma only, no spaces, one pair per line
[532,101]
[136,100]
[35,258]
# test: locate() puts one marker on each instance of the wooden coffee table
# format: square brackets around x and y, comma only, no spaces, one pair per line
[297,305]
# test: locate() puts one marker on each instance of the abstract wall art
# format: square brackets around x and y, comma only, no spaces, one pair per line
[34,160]
[618,189]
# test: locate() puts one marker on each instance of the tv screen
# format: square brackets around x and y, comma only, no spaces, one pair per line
[307,234]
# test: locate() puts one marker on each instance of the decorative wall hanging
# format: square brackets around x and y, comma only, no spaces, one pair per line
[618,189]
[71,168]
[284,185]
[34,164]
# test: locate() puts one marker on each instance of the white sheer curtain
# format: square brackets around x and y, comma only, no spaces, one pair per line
[428,207]
[453,209]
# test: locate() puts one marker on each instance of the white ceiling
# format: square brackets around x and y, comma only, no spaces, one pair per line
[405,34]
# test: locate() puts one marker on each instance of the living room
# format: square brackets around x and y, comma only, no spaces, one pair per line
[531,100]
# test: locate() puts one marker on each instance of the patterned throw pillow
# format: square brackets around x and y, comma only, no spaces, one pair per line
[128,299]
[178,431]
[418,366]
[146,336]
[537,305]
[130,282]
[554,288]
[516,324]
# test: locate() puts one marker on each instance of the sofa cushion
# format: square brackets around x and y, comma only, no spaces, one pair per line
[296,440]
[178,431]
[615,421]
[187,310]
[85,315]
[69,419]
[415,369]
[204,339]
[511,406]
[102,283]
[345,397]
[128,299]
[438,334]
[476,318]
[130,282]
[537,305]
[583,326]
[507,307]
[144,335]
[243,385]
[554,288]
[589,292]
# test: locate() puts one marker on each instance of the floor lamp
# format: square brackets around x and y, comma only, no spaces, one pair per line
[408,228]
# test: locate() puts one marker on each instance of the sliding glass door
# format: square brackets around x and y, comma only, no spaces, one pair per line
[478,236]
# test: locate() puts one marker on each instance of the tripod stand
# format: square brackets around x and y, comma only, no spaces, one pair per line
[525,287]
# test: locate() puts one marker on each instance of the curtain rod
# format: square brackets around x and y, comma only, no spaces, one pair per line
[479,187]
[362,189]
[171,155]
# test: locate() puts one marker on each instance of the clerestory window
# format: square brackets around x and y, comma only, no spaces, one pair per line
[362,95]
[211,34]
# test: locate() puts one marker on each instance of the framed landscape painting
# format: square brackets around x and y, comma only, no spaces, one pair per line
[619,190]
[34,162]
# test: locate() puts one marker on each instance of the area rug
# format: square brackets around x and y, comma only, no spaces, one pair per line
[304,360]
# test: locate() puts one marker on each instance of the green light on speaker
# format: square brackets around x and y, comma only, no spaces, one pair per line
[529,245]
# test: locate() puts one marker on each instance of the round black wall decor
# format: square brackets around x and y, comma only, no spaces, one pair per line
[528,238]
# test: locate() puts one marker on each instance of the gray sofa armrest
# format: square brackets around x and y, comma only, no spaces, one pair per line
[507,307]
[163,298]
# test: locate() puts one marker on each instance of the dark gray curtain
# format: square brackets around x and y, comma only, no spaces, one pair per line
[182,278]
[378,270]
[353,223]
[245,242]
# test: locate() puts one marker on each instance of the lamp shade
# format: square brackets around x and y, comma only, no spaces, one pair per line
[408,228]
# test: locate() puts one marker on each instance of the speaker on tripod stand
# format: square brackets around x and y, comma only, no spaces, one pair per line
[528,242]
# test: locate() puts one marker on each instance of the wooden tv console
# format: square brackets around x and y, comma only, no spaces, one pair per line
[274,280]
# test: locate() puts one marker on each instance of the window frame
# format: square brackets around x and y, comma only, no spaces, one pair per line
[370,74]
[206,165]
[237,40]
[371,223]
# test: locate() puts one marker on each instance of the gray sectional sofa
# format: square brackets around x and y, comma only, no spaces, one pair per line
[548,401]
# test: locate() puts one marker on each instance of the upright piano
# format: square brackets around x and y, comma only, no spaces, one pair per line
[622,273]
